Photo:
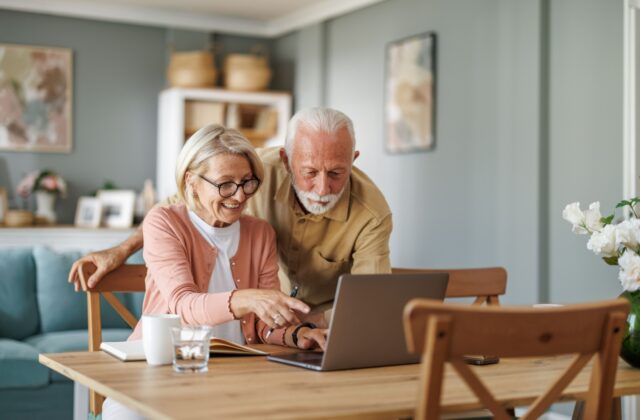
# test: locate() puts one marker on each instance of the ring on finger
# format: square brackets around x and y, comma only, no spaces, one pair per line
[276,319]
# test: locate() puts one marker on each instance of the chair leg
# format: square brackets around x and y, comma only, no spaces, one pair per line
[95,403]
[616,409]
[578,410]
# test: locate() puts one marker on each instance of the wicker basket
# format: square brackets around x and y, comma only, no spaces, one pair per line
[191,69]
[247,72]
[18,218]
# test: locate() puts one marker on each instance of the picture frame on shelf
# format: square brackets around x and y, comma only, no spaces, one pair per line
[88,212]
[36,102]
[117,207]
[410,94]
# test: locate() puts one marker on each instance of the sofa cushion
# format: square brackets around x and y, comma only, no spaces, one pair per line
[18,306]
[61,308]
[19,366]
[77,340]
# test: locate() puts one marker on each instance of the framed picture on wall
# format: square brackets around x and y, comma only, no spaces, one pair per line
[88,212]
[117,207]
[410,94]
[35,99]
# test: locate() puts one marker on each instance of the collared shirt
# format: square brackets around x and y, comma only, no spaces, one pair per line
[314,250]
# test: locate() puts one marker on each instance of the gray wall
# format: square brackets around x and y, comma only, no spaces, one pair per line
[118,72]
[528,106]
[529,98]
[585,129]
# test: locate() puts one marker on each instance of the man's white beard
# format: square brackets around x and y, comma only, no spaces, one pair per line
[328,201]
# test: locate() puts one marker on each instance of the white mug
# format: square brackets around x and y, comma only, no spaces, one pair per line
[156,337]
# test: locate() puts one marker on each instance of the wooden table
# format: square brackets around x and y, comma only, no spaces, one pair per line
[252,387]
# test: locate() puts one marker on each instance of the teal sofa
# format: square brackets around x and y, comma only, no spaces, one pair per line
[41,313]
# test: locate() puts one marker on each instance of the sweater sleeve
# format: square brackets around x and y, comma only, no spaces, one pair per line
[269,280]
[169,267]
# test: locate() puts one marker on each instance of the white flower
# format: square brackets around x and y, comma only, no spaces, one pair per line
[592,217]
[575,216]
[628,233]
[603,243]
[629,274]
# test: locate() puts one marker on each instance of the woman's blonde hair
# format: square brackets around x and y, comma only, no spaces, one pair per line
[211,140]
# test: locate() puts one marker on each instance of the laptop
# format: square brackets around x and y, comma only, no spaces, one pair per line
[366,327]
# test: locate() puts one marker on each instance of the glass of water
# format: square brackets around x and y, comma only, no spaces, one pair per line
[191,348]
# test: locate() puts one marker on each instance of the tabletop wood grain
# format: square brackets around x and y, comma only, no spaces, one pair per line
[252,387]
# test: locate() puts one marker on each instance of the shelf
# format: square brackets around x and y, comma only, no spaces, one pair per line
[260,116]
[63,237]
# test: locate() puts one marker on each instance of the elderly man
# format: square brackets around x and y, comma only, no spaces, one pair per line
[329,217]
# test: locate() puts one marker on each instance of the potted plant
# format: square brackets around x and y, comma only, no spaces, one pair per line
[617,244]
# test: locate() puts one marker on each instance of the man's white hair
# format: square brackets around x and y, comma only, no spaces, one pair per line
[318,119]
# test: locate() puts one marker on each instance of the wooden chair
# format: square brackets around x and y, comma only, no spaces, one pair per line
[485,284]
[445,332]
[127,278]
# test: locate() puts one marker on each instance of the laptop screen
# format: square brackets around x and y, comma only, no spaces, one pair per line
[366,327]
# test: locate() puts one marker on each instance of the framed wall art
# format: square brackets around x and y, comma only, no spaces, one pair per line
[410,94]
[35,99]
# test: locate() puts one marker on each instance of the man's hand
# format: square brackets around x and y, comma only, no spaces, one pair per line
[309,338]
[317,318]
[105,262]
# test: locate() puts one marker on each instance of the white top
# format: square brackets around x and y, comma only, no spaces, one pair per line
[226,241]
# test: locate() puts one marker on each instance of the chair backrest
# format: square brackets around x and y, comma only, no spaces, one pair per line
[445,332]
[485,284]
[127,278]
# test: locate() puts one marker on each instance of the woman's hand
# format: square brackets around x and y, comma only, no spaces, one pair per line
[309,338]
[273,307]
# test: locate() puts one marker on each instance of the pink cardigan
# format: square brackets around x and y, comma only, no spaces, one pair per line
[179,266]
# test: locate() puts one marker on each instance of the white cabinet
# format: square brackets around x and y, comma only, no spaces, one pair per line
[261,116]
[63,238]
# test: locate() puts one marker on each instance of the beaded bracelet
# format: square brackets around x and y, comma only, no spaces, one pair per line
[229,303]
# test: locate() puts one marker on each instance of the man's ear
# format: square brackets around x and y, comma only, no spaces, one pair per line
[285,159]
[355,155]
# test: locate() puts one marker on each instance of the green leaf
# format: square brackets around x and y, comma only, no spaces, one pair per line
[606,220]
[611,260]
[635,200]
[623,203]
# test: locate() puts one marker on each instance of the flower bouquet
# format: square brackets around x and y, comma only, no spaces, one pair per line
[46,185]
[617,244]
[45,180]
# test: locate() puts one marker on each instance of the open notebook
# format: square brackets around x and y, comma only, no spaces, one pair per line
[133,350]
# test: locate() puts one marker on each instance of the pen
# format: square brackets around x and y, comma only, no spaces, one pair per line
[293,294]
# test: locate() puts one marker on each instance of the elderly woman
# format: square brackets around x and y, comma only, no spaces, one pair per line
[209,263]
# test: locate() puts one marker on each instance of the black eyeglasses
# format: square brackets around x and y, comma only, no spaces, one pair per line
[229,188]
